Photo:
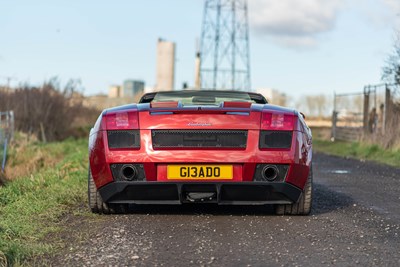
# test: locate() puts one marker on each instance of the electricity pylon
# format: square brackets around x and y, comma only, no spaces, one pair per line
[224,48]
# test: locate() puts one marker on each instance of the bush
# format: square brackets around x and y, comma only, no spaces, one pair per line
[49,112]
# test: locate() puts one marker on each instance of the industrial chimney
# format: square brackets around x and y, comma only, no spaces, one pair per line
[165,65]
[197,82]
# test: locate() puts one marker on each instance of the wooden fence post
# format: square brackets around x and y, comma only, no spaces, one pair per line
[387,108]
[334,124]
[366,109]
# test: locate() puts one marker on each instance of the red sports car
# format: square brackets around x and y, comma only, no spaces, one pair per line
[198,146]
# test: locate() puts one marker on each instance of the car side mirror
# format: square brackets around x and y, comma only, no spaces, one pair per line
[302,114]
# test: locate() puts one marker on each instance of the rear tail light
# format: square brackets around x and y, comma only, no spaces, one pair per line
[272,120]
[121,120]
[122,129]
[276,130]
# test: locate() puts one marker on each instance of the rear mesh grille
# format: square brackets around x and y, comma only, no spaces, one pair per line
[276,139]
[199,139]
[123,139]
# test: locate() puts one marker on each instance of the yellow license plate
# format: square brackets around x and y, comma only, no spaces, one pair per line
[200,172]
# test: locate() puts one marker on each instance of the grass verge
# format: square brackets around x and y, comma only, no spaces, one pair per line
[359,151]
[31,206]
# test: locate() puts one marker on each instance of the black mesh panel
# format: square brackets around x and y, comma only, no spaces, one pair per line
[199,139]
[123,139]
[276,139]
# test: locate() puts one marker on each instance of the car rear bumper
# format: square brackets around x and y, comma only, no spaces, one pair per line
[243,193]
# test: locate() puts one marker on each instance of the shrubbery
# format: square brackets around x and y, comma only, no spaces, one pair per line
[49,112]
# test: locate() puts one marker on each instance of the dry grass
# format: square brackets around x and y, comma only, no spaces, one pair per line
[3,259]
[390,139]
[2,180]
[26,157]
[321,133]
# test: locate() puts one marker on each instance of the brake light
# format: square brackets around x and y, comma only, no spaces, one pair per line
[277,121]
[122,120]
[233,104]
[169,104]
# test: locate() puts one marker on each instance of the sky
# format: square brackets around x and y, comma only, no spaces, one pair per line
[299,47]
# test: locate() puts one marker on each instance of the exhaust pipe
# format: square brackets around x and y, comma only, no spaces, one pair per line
[270,172]
[129,172]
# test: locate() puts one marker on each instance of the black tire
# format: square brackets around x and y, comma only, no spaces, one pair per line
[92,194]
[96,203]
[303,206]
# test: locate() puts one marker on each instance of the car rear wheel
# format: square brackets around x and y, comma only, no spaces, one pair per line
[96,203]
[303,206]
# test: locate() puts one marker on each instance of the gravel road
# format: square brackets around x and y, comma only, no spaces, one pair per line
[355,221]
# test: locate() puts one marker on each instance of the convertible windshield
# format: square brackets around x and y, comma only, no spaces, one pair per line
[203,97]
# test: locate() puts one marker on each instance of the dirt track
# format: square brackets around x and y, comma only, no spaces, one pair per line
[355,221]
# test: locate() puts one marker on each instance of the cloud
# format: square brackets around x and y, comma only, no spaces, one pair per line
[379,14]
[394,5]
[294,23]
[393,12]
[302,42]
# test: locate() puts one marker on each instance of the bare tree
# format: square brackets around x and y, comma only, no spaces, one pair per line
[321,105]
[317,105]
[48,111]
[358,103]
[301,105]
[391,69]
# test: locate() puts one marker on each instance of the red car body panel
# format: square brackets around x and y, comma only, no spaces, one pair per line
[168,117]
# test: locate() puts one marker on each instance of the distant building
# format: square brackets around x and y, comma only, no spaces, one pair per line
[132,88]
[101,102]
[165,66]
[114,91]
[273,96]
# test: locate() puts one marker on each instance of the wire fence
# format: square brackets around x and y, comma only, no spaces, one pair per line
[372,115]
[6,135]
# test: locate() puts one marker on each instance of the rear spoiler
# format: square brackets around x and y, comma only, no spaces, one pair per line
[164,108]
[257,98]
[174,107]
[178,104]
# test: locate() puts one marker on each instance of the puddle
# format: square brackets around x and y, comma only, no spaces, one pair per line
[340,171]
